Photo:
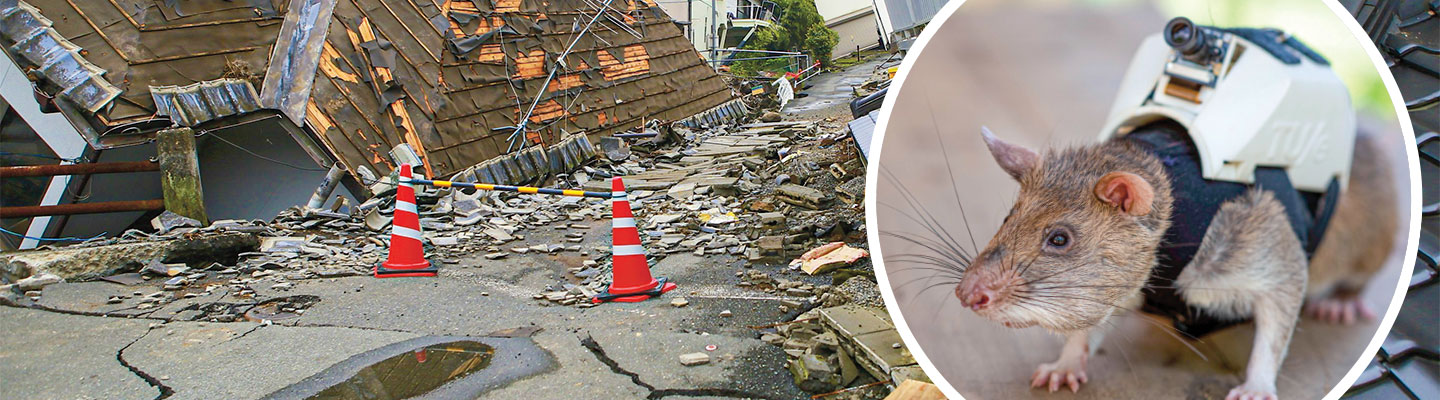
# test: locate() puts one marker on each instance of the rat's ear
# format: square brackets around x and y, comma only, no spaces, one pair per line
[1014,159]
[1126,191]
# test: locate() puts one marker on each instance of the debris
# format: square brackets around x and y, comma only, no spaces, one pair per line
[916,390]
[824,258]
[813,373]
[38,281]
[614,148]
[168,221]
[802,196]
[726,314]
[693,359]
[679,302]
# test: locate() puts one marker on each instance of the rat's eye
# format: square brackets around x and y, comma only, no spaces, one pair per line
[1058,239]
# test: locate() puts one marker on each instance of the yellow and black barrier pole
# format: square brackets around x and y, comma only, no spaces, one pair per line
[517,189]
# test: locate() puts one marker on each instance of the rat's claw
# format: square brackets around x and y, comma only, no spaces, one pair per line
[1344,311]
[1063,373]
[1074,382]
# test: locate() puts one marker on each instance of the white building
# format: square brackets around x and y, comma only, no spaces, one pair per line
[855,21]
[719,24]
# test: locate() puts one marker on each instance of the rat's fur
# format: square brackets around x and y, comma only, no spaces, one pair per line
[1250,263]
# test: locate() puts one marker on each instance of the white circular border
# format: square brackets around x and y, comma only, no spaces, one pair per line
[1411,156]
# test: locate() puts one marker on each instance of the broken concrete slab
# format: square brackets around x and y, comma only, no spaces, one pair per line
[80,263]
[852,320]
[802,196]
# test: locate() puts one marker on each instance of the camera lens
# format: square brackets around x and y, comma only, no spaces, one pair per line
[1185,37]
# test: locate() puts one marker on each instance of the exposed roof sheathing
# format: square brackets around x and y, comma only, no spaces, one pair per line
[439,75]
[455,92]
[144,43]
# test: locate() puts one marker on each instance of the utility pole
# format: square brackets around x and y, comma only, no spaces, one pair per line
[714,34]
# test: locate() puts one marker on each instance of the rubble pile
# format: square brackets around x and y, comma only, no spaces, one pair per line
[846,346]
[781,201]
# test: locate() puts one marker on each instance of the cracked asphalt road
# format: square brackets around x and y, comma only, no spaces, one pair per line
[69,349]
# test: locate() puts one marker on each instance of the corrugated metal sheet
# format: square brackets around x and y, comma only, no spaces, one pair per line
[863,130]
[203,101]
[148,43]
[906,14]
[31,37]
[727,112]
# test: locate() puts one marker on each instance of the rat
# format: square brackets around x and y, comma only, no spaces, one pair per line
[1087,238]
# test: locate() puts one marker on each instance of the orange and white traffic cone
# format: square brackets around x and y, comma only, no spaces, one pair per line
[630,276]
[407,255]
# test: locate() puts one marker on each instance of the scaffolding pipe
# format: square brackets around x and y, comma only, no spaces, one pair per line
[327,186]
[78,169]
[559,61]
[517,189]
[82,208]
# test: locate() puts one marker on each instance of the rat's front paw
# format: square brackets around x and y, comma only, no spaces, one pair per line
[1335,310]
[1246,392]
[1067,372]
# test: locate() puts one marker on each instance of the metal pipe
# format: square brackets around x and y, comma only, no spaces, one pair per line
[327,186]
[517,189]
[559,61]
[82,208]
[78,169]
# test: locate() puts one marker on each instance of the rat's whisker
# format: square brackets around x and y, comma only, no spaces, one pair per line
[938,246]
[928,245]
[927,279]
[1170,330]
[1123,354]
[1145,286]
[928,259]
[914,202]
[950,250]
[951,170]
[956,279]
[936,272]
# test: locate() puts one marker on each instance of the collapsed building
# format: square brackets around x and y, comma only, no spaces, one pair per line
[271,93]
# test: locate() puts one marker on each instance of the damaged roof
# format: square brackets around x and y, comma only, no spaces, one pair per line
[367,75]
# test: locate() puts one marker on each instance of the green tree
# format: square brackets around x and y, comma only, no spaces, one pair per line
[800,28]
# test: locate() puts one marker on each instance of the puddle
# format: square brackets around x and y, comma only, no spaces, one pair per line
[413,373]
[426,367]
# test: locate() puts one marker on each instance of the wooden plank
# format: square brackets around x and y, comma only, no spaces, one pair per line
[912,389]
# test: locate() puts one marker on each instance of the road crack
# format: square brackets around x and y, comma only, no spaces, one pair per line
[165,391]
[655,394]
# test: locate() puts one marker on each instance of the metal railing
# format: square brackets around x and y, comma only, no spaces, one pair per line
[80,208]
[765,12]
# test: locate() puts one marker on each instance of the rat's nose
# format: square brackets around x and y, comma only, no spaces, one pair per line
[975,295]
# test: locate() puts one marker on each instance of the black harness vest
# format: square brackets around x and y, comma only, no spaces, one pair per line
[1196,201]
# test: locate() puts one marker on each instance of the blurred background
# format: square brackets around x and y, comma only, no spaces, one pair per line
[1043,73]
